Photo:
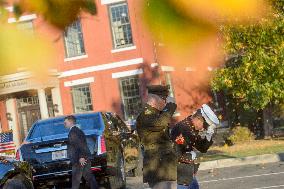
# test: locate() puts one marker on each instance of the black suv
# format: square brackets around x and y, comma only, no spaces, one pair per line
[114,149]
[15,174]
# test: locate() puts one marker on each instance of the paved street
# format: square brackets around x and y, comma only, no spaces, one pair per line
[263,176]
[244,177]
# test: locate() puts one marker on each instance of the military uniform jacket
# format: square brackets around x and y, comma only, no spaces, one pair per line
[159,163]
[192,140]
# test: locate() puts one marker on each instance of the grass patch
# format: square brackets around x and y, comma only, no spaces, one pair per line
[252,148]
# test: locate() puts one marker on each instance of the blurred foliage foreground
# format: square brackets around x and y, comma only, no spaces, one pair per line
[26,50]
[187,28]
[180,22]
[243,39]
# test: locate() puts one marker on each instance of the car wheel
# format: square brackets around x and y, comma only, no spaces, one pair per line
[118,181]
[18,182]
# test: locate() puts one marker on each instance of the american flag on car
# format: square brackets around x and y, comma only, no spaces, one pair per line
[6,142]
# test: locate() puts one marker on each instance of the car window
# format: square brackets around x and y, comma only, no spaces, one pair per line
[90,123]
[116,123]
[121,124]
[46,130]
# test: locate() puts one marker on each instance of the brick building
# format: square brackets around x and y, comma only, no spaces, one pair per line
[104,63]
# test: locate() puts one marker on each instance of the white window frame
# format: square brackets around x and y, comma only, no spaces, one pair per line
[73,102]
[127,115]
[114,29]
[81,42]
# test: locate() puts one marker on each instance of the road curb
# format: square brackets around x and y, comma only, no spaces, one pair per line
[250,160]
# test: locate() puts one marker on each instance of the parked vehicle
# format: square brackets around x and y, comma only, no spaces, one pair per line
[15,174]
[114,149]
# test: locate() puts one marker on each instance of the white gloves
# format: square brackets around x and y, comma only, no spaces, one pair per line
[209,132]
[193,155]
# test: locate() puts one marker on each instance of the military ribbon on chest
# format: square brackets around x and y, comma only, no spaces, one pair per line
[179,139]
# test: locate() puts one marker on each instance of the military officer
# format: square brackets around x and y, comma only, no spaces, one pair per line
[159,163]
[194,132]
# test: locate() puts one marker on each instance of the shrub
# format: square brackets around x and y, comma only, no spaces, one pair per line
[240,135]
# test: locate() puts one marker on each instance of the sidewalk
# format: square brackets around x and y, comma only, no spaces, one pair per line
[250,160]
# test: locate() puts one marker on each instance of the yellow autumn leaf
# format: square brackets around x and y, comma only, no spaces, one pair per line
[33,6]
[19,49]
[223,10]
[59,13]
[173,28]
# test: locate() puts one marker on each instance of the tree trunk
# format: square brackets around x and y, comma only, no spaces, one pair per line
[267,121]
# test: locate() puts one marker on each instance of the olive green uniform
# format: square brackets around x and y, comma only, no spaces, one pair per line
[159,163]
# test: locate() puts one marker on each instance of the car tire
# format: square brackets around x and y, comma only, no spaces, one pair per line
[118,181]
[18,182]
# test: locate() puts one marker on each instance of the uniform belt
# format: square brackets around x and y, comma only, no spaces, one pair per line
[157,147]
[184,159]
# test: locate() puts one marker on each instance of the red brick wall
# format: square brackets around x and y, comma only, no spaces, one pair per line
[98,45]
[3,118]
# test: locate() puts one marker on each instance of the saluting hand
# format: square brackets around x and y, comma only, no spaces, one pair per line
[82,161]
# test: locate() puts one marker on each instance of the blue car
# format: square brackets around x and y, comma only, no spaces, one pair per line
[114,150]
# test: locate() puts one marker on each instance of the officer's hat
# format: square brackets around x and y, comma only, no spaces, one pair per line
[209,116]
[160,90]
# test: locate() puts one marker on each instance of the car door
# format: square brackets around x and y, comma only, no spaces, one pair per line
[129,141]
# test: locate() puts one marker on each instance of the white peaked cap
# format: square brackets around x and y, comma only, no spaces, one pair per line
[209,116]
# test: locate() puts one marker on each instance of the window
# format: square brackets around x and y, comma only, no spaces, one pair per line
[120,24]
[56,127]
[129,87]
[169,82]
[82,101]
[73,40]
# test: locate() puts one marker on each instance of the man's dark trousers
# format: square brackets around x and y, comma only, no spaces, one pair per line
[78,171]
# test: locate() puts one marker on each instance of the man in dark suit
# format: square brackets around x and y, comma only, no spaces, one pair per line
[78,152]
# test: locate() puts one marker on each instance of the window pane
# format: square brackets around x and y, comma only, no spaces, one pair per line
[82,101]
[73,39]
[121,28]
[130,95]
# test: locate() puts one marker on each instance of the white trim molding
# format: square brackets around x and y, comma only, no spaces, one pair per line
[22,18]
[105,2]
[167,68]
[123,49]
[75,58]
[15,76]
[127,73]
[101,67]
[79,81]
